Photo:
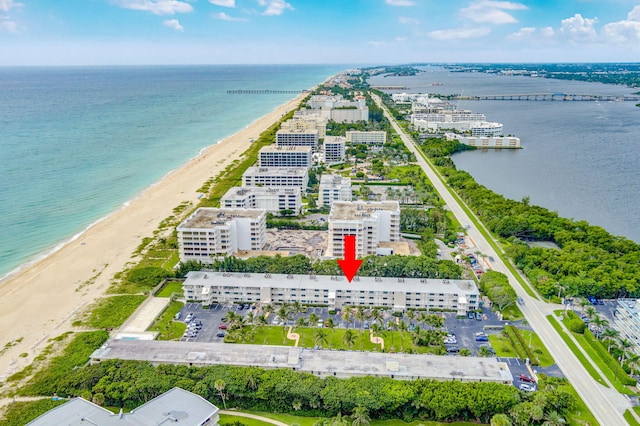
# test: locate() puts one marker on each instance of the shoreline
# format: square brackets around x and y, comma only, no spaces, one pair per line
[39,299]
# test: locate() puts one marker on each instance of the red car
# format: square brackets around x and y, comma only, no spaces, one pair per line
[525,378]
[222,327]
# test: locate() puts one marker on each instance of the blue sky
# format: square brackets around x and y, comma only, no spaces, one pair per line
[75,32]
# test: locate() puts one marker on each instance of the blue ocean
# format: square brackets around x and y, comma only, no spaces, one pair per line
[76,143]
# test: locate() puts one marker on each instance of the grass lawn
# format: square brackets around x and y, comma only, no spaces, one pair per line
[275,335]
[512,313]
[630,419]
[227,420]
[170,288]
[503,347]
[581,415]
[583,360]
[166,326]
[308,421]
[110,312]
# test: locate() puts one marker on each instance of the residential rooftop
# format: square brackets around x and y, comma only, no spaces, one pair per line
[209,217]
[317,362]
[353,210]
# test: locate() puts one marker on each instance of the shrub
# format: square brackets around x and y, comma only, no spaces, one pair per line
[608,360]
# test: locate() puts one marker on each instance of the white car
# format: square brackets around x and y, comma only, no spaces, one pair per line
[527,387]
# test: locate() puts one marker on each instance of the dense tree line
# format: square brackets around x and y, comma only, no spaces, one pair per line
[380,266]
[496,286]
[590,260]
[132,383]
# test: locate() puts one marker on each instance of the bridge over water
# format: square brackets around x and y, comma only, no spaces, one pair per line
[552,97]
[264,92]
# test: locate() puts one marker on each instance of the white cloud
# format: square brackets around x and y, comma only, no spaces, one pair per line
[6,24]
[224,3]
[624,31]
[522,33]
[377,43]
[275,7]
[491,11]
[401,39]
[459,33]
[7,5]
[579,28]
[400,2]
[173,23]
[405,20]
[224,17]
[157,7]
[547,32]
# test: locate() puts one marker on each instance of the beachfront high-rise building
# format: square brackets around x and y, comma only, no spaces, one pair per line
[290,156]
[276,176]
[211,232]
[308,122]
[334,149]
[334,188]
[339,109]
[270,198]
[370,222]
[350,115]
[376,138]
[297,138]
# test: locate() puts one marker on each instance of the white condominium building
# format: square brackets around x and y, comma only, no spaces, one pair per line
[270,198]
[303,123]
[486,142]
[448,116]
[486,128]
[290,156]
[276,176]
[477,128]
[334,149]
[335,292]
[349,114]
[369,138]
[334,188]
[297,138]
[370,222]
[211,232]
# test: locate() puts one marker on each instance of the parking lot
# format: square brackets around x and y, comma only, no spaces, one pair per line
[465,330]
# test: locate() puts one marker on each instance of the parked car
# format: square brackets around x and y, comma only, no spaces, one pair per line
[483,338]
[525,378]
[470,315]
[220,334]
[527,387]
[452,349]
[520,300]
[222,327]
[479,316]
[450,341]
[189,318]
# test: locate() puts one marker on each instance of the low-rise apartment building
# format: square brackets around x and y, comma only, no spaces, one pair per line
[486,141]
[289,156]
[376,138]
[335,292]
[211,232]
[270,198]
[370,222]
[334,188]
[276,176]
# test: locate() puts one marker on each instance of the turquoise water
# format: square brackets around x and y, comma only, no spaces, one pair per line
[77,143]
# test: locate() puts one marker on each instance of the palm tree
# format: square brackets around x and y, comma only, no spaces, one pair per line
[591,312]
[610,335]
[220,385]
[330,325]
[553,419]
[313,319]
[339,420]
[411,315]
[360,416]
[349,338]
[360,316]
[261,321]
[583,303]
[392,326]
[599,324]
[500,419]
[624,345]
[402,326]
[346,315]
[376,315]
[320,337]
[301,322]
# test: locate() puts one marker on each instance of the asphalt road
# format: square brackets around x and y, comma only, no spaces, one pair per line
[607,405]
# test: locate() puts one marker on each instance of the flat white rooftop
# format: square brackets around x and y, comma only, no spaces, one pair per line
[347,210]
[331,283]
[317,362]
[277,171]
[209,217]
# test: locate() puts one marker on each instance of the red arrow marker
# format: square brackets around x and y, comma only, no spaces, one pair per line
[350,265]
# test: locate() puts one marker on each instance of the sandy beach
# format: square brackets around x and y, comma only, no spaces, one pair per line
[40,301]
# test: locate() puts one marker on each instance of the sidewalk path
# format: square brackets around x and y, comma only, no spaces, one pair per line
[252,416]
